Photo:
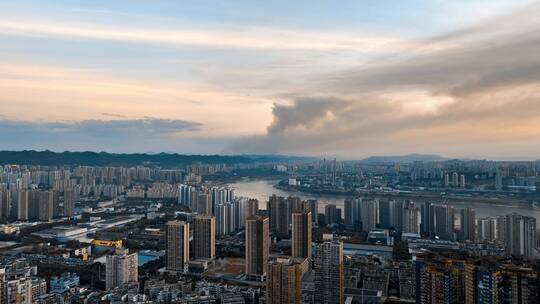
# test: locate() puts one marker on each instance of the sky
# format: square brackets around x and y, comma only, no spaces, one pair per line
[350,79]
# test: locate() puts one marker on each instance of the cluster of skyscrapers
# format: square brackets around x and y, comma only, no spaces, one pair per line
[36,204]
[362,214]
[441,221]
[287,218]
[458,180]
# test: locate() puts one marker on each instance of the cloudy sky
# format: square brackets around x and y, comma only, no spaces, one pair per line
[350,79]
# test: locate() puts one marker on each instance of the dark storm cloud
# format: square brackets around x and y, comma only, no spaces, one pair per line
[303,112]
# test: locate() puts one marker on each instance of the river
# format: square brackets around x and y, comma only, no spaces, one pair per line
[262,189]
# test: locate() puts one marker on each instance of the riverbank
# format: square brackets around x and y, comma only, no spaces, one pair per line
[434,196]
[262,189]
[315,192]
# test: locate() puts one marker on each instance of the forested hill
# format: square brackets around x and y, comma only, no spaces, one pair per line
[104,159]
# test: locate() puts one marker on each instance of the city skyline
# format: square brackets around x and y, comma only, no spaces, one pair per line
[276,230]
[348,79]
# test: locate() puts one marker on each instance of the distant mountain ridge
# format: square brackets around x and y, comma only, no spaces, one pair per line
[409,158]
[88,158]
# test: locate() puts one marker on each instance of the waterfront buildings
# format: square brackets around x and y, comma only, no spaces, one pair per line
[332,214]
[411,218]
[369,214]
[468,225]
[353,207]
[487,229]
[520,235]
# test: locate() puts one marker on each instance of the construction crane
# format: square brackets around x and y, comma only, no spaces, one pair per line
[102,243]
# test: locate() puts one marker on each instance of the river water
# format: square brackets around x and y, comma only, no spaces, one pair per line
[262,189]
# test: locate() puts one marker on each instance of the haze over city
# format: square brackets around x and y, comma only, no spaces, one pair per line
[269,152]
[342,78]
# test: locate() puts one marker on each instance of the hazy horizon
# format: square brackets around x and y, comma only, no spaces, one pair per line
[328,156]
[346,79]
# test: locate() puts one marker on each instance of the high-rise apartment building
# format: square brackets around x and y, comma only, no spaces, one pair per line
[46,205]
[390,214]
[251,208]
[220,196]
[353,207]
[227,218]
[411,218]
[33,204]
[332,214]
[69,201]
[425,224]
[193,205]
[284,281]
[56,211]
[468,225]
[313,206]
[257,247]
[454,277]
[22,205]
[455,179]
[301,234]
[277,213]
[3,284]
[370,215]
[328,271]
[246,208]
[204,237]
[520,235]
[120,269]
[439,221]
[501,229]
[5,204]
[204,204]
[184,194]
[486,229]
[519,285]
[177,237]
[488,284]
[440,281]
[294,204]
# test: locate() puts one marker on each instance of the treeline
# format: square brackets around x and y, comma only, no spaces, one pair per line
[88,158]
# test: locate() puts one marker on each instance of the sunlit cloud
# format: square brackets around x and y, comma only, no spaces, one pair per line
[198,85]
[70,94]
[449,101]
[232,37]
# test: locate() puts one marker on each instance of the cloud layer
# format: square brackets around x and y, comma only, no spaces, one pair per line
[293,78]
[479,95]
[241,38]
[146,134]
